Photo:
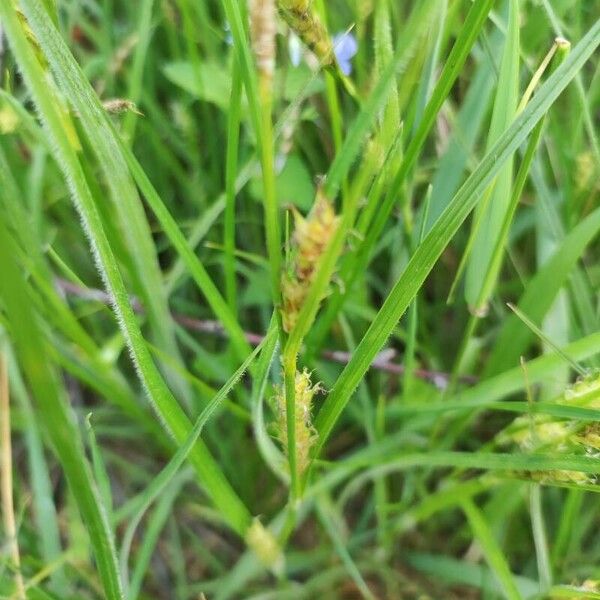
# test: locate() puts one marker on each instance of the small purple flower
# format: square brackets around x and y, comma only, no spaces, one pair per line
[345,47]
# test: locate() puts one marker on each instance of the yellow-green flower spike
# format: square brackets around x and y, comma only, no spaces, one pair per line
[310,239]
[306,435]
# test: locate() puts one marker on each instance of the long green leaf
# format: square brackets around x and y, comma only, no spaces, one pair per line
[481,460]
[491,549]
[169,411]
[132,225]
[563,411]
[488,393]
[51,402]
[115,156]
[444,229]
[458,55]
[489,216]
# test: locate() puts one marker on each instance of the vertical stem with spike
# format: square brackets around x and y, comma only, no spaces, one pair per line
[263,29]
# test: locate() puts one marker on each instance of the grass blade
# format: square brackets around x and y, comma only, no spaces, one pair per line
[540,294]
[111,148]
[169,411]
[132,226]
[491,215]
[491,549]
[458,55]
[51,402]
[444,229]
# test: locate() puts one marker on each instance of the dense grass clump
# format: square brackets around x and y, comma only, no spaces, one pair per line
[299,299]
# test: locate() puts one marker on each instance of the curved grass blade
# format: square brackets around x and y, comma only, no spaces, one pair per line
[51,402]
[491,549]
[562,411]
[444,229]
[132,228]
[115,156]
[165,405]
[490,215]
[540,293]
[529,463]
[508,382]
[272,456]
[160,482]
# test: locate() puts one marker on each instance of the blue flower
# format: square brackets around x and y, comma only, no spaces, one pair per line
[345,47]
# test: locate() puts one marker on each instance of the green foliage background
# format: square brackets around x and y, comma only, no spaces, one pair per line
[149,178]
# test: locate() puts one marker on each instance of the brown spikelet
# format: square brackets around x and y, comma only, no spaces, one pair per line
[590,437]
[263,28]
[311,237]
[117,106]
